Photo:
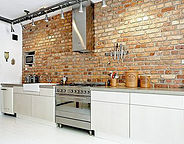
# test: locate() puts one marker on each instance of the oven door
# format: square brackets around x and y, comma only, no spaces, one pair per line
[73,107]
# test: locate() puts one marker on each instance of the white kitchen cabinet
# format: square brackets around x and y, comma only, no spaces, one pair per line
[17,102]
[110,115]
[23,104]
[43,107]
[17,90]
[157,119]
[33,104]
[7,100]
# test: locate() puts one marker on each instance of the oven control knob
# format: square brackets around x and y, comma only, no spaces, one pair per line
[88,92]
[58,90]
[61,90]
[64,90]
[78,91]
[81,91]
[71,91]
[75,91]
[84,92]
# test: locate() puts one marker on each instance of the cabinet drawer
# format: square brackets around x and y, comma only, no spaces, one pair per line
[168,101]
[47,92]
[17,90]
[115,97]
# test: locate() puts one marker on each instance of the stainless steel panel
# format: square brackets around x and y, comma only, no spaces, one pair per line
[72,98]
[74,123]
[73,90]
[77,116]
[71,108]
[79,30]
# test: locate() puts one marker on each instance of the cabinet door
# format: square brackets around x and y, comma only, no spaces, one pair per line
[43,107]
[17,102]
[24,105]
[7,103]
[1,99]
[110,120]
[156,125]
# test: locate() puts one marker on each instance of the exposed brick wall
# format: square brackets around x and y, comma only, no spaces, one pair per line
[151,30]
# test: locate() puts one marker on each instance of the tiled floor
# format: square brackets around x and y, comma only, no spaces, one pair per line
[18,131]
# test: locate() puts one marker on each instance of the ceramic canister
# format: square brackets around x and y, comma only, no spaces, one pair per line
[131,79]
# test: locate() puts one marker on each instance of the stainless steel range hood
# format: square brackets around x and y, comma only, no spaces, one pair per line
[82,28]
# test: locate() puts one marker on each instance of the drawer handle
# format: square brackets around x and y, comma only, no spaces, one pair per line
[3,89]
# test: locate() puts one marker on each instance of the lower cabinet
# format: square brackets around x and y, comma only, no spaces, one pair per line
[7,100]
[142,118]
[38,105]
[42,107]
[110,116]
[157,119]
[154,125]
[23,104]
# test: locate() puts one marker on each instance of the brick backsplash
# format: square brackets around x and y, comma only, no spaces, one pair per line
[151,30]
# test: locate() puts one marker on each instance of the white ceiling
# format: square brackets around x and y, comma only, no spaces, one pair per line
[15,8]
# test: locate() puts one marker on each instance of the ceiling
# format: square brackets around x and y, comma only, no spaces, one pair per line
[15,8]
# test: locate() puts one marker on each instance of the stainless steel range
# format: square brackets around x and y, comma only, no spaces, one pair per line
[73,105]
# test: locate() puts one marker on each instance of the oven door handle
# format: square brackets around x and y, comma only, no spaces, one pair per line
[64,103]
[74,98]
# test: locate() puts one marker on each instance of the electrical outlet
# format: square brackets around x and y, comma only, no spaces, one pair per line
[182,61]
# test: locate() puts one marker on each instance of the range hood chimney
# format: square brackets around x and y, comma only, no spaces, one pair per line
[83,28]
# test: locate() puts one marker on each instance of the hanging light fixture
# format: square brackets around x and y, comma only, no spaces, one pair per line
[104,3]
[46,18]
[33,23]
[62,13]
[12,29]
[81,7]
[23,27]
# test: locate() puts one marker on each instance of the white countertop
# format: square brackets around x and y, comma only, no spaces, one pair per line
[162,91]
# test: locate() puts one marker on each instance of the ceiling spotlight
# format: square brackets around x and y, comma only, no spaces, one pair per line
[62,14]
[26,11]
[33,23]
[12,29]
[46,18]
[104,3]
[23,27]
[81,7]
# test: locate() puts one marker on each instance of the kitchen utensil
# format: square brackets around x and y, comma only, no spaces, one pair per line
[108,83]
[118,55]
[111,54]
[121,51]
[115,51]
[113,75]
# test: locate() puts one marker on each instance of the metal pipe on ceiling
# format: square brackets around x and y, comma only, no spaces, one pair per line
[5,20]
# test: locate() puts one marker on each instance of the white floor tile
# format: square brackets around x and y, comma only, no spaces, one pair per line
[18,131]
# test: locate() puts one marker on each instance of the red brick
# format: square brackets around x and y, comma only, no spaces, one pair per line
[168,9]
[155,45]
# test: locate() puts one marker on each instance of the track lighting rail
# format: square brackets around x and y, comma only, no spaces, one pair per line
[43,11]
[47,10]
